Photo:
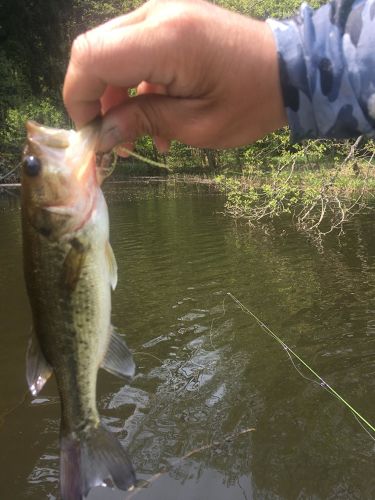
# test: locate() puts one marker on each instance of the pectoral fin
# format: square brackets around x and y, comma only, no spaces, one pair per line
[112,265]
[118,359]
[38,370]
[73,264]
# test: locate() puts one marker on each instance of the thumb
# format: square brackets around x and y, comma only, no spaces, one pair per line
[159,116]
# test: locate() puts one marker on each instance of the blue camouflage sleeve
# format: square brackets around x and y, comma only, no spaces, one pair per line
[327,69]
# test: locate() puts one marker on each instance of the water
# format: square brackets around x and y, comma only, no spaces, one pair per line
[216,407]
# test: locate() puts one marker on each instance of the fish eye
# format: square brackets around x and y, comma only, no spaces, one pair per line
[32,165]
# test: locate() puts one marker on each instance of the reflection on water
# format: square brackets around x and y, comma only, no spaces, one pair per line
[207,374]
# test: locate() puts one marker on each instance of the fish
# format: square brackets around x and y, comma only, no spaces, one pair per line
[70,272]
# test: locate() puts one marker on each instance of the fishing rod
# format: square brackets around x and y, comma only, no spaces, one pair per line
[365,424]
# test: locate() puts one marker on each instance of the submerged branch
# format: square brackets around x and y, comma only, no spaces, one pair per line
[177,462]
[319,200]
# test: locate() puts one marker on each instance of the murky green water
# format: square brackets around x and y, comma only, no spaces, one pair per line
[207,374]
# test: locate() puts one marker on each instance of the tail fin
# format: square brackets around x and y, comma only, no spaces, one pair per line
[86,462]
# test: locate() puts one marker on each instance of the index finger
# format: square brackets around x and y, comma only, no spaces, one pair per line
[107,55]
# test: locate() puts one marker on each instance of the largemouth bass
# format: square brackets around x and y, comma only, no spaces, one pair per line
[69,271]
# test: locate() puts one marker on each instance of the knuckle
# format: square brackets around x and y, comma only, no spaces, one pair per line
[180,19]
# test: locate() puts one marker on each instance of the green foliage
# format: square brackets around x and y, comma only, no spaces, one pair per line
[34,40]
[13,132]
[258,195]
[13,88]
[267,8]
[87,14]
[318,200]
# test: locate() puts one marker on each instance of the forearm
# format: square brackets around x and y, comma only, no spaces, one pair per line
[327,69]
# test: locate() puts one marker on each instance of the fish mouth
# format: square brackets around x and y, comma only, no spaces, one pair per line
[61,199]
[47,136]
[60,145]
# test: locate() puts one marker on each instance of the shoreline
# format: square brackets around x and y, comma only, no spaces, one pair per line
[180,178]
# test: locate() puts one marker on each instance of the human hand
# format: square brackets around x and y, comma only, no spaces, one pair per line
[204,76]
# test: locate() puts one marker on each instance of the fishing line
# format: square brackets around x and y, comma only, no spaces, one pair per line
[365,424]
[9,411]
[10,172]
[142,158]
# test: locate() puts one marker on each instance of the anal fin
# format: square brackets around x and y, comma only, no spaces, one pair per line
[38,370]
[118,359]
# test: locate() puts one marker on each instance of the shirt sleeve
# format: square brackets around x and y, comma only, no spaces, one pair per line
[327,69]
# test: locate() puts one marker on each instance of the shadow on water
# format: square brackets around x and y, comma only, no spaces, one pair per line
[206,372]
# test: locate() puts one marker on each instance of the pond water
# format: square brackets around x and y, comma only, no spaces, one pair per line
[216,410]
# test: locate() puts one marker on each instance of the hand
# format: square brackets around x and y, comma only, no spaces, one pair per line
[204,76]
